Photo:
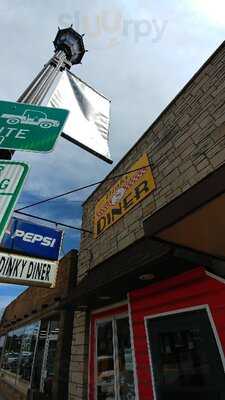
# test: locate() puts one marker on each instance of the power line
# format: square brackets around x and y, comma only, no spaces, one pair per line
[69,200]
[196,153]
[79,189]
[53,222]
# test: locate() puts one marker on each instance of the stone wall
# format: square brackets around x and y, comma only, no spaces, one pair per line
[78,384]
[10,392]
[36,303]
[184,144]
[33,301]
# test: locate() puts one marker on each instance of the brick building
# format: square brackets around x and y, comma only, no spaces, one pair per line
[150,300]
[145,316]
[36,330]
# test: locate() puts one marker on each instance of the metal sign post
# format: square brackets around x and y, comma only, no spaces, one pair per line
[24,126]
[69,50]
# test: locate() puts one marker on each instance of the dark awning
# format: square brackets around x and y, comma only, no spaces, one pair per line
[179,236]
[195,219]
[111,280]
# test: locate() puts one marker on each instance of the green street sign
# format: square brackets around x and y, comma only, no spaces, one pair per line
[12,178]
[28,127]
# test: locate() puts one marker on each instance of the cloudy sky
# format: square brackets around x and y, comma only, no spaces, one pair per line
[141,53]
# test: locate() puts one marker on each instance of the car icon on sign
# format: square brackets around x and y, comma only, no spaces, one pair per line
[31,117]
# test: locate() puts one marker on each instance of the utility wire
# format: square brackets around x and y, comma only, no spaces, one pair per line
[53,222]
[79,189]
[197,153]
[69,200]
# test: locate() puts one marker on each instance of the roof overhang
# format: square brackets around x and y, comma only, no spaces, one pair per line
[186,233]
[110,281]
[195,219]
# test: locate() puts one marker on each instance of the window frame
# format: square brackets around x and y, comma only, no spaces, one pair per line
[118,311]
[112,319]
[11,333]
[180,311]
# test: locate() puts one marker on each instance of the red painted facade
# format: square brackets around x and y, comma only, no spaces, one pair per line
[188,290]
[191,289]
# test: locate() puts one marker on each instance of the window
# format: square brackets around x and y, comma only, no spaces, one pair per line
[44,363]
[30,353]
[183,362]
[105,361]
[2,342]
[18,354]
[115,379]
[185,357]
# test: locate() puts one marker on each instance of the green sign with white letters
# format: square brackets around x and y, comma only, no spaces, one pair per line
[12,179]
[29,127]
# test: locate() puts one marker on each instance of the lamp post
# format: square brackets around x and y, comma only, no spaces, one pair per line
[69,50]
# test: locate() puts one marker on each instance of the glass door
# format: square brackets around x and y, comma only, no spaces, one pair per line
[185,357]
[49,356]
[44,363]
[105,381]
[115,379]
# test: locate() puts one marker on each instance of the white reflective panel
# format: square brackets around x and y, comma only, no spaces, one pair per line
[88,122]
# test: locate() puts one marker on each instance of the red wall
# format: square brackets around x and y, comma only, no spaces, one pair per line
[187,290]
[193,288]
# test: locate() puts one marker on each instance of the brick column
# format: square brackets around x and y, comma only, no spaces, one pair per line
[62,364]
[78,381]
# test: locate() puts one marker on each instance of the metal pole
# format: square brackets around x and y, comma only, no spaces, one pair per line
[24,96]
[39,87]
[69,50]
[58,61]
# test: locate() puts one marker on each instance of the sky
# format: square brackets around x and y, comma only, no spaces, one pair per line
[140,54]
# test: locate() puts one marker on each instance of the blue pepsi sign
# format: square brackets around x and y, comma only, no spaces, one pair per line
[33,239]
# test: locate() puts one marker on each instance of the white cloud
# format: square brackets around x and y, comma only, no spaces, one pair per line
[212,10]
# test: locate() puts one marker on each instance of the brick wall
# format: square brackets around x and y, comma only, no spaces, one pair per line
[36,299]
[10,392]
[184,144]
[79,357]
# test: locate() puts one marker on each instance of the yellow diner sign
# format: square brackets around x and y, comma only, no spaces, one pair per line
[128,191]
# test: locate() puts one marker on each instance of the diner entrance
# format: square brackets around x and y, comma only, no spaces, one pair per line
[111,360]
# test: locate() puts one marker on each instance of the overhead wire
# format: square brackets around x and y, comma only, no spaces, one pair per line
[80,188]
[53,221]
[197,153]
[19,210]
